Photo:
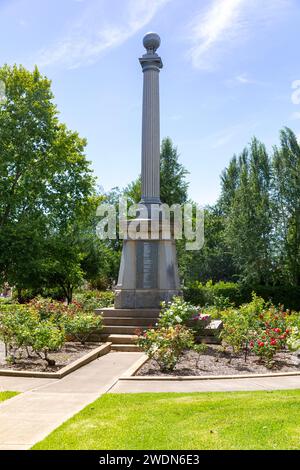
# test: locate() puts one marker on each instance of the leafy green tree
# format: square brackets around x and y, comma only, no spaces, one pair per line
[173,184]
[286,190]
[249,219]
[44,175]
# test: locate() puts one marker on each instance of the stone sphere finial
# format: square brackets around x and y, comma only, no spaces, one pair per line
[151,42]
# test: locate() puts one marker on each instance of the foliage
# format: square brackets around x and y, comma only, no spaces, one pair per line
[222,294]
[82,325]
[166,344]
[92,299]
[46,183]
[176,312]
[235,331]
[293,341]
[260,207]
[173,184]
[42,326]
[179,312]
[260,326]
[213,294]
[46,337]
[21,328]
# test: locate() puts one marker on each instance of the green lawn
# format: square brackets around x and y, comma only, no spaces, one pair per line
[6,395]
[243,420]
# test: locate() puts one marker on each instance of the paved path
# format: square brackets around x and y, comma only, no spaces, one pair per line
[47,403]
[223,385]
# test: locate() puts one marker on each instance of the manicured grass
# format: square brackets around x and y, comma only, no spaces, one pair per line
[243,420]
[7,395]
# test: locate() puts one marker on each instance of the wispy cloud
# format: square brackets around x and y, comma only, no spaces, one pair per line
[243,79]
[226,24]
[87,39]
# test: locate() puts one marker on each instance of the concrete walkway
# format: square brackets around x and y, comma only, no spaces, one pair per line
[47,403]
[217,385]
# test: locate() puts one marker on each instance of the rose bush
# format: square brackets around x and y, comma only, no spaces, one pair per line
[44,325]
[180,312]
[166,344]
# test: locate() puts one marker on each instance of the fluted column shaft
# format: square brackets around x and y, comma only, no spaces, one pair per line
[151,64]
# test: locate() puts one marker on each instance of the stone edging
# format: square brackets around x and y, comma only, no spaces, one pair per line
[130,374]
[82,361]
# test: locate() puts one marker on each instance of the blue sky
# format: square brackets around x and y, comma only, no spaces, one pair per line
[231,71]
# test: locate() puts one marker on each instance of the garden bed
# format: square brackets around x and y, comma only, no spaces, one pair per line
[216,362]
[70,352]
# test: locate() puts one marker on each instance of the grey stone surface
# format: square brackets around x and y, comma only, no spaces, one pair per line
[31,416]
[151,64]
[147,264]
[217,385]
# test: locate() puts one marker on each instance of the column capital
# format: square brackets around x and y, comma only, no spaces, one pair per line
[151,61]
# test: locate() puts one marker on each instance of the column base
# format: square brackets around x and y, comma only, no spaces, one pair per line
[143,298]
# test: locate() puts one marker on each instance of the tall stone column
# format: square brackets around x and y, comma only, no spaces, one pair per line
[148,272]
[151,64]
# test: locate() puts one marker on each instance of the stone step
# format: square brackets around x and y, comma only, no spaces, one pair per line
[209,340]
[129,321]
[125,347]
[131,313]
[121,330]
[213,328]
[119,339]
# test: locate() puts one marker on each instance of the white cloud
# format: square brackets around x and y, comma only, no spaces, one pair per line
[90,37]
[226,24]
[244,79]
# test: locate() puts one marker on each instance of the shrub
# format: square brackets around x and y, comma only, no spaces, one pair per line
[16,325]
[225,293]
[82,325]
[271,333]
[235,331]
[293,341]
[47,337]
[180,312]
[267,342]
[221,293]
[165,345]
[21,328]
[176,312]
[49,309]
[92,299]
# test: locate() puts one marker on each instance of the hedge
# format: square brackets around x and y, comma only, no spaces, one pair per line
[222,292]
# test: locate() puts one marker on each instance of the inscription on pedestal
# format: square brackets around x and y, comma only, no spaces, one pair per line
[147,264]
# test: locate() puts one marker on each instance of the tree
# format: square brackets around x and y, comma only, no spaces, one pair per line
[173,184]
[45,177]
[249,218]
[286,190]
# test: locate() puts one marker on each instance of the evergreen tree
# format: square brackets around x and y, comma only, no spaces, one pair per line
[249,220]
[173,184]
[286,164]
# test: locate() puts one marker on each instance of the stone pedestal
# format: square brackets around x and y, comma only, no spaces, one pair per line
[148,274]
